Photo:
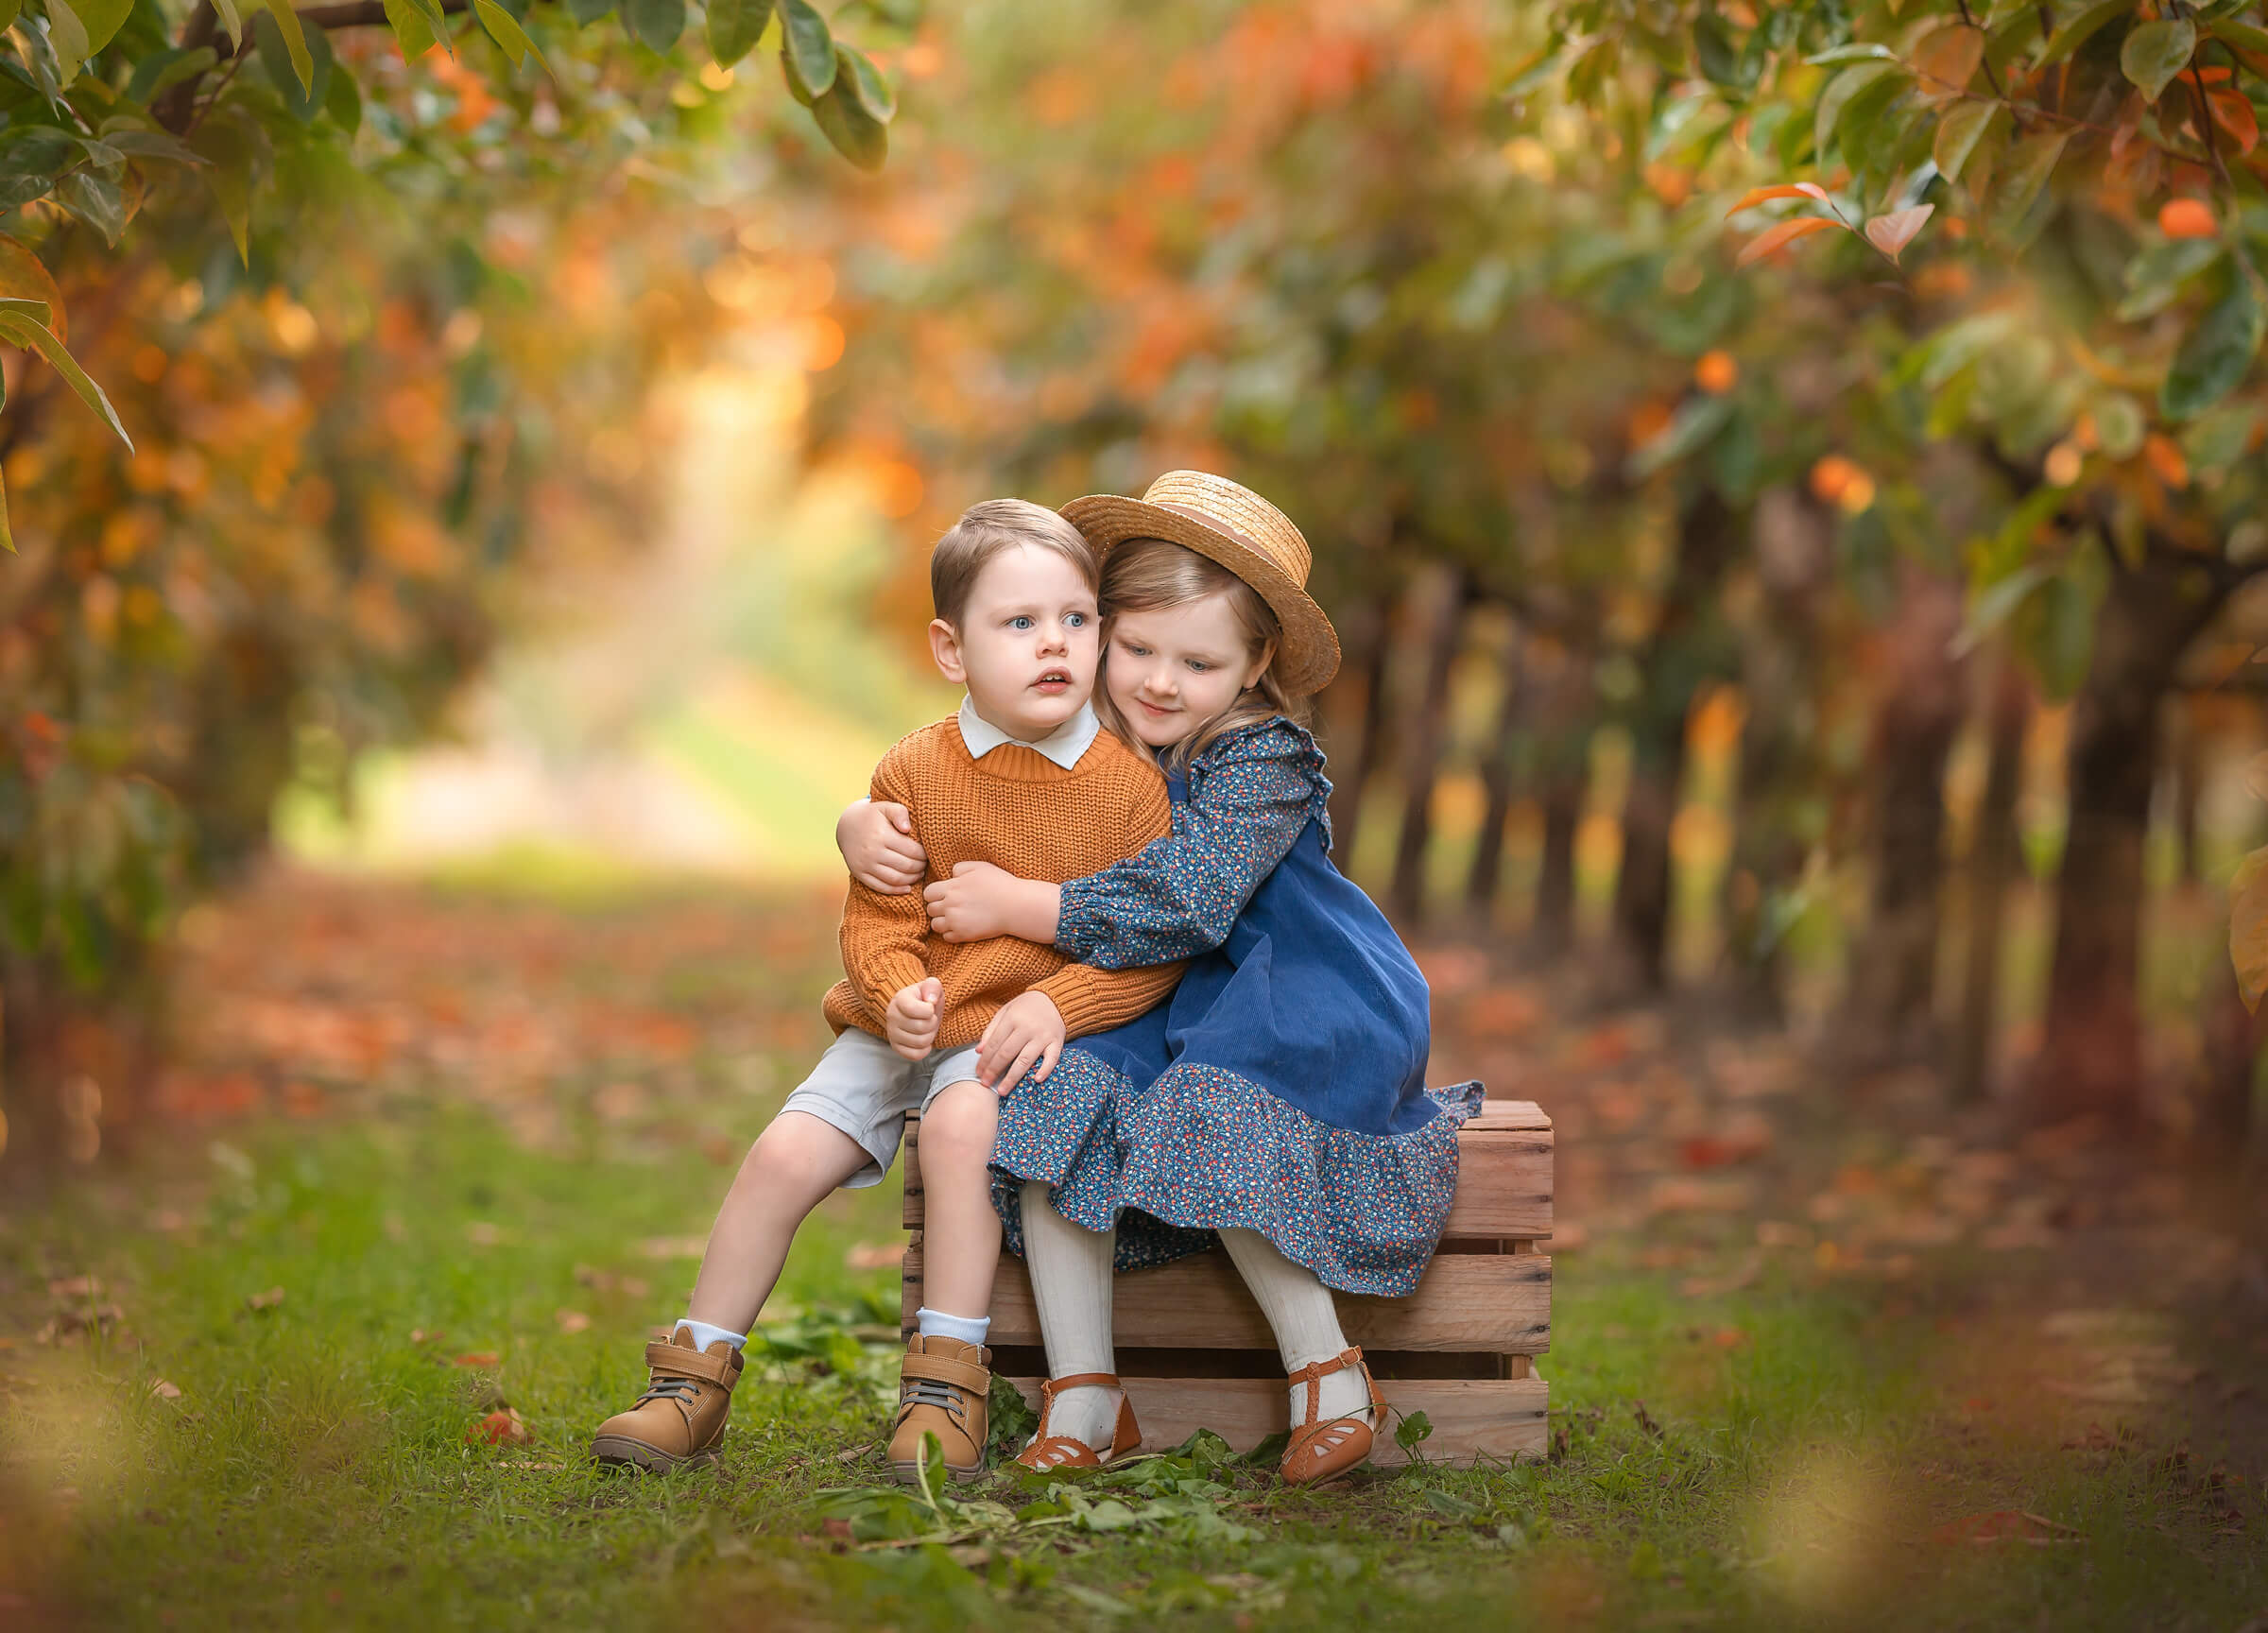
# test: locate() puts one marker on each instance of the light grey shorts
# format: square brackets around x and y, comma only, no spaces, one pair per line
[865,1088]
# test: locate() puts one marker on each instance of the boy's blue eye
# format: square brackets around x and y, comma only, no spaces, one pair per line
[1076,620]
[1020,622]
[1199,667]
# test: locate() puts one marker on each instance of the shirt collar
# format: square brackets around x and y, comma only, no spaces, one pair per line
[1063,746]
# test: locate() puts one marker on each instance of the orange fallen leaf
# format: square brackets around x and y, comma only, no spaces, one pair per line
[267,1301]
[476,1358]
[498,1429]
[573,1321]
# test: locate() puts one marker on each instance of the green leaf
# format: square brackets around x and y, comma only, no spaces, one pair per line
[2216,353]
[295,43]
[1958,134]
[857,135]
[1697,420]
[1413,1429]
[808,49]
[654,24]
[8,537]
[9,11]
[343,100]
[2155,52]
[2083,26]
[2031,161]
[2218,439]
[304,96]
[67,35]
[161,70]
[96,200]
[418,25]
[231,20]
[866,84]
[233,149]
[2157,277]
[586,12]
[30,163]
[734,27]
[19,328]
[1841,54]
[1838,96]
[506,30]
[153,144]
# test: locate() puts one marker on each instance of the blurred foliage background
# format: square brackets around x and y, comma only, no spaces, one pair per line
[1787,477]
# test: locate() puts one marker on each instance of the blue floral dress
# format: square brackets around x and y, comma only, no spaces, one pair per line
[1282,1086]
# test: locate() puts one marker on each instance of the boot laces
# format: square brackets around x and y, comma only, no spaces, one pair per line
[930,1392]
[681,1389]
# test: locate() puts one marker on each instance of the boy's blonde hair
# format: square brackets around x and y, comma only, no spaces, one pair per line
[983,532]
[1152,575]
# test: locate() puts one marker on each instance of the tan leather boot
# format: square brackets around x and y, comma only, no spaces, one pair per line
[941,1391]
[681,1417]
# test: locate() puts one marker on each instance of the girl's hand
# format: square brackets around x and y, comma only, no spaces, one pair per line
[877,841]
[910,1026]
[1027,1030]
[981,901]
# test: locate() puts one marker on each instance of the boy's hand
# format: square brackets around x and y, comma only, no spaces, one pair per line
[1028,1029]
[910,1024]
[980,901]
[876,838]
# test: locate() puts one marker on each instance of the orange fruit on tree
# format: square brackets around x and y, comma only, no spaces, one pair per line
[1716,372]
[2187,219]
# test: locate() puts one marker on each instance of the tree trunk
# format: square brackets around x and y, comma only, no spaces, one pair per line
[1439,613]
[1497,785]
[2091,1059]
[1681,654]
[1894,970]
[1370,638]
[2186,764]
[1992,865]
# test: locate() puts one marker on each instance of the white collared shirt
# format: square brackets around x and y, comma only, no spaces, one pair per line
[1063,746]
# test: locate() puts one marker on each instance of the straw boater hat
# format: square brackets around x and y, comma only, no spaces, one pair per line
[1235,526]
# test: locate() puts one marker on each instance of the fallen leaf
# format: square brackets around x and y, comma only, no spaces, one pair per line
[166,1391]
[482,1234]
[674,1247]
[475,1358]
[498,1429]
[74,1287]
[267,1301]
[573,1321]
[874,1255]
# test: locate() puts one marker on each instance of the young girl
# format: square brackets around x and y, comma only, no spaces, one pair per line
[1278,1097]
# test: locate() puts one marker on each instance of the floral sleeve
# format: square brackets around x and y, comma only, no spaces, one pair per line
[1252,796]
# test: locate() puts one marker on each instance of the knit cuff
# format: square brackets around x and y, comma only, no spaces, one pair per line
[882,977]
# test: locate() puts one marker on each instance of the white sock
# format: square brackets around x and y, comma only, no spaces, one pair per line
[968,1329]
[1070,1283]
[704,1335]
[1305,1322]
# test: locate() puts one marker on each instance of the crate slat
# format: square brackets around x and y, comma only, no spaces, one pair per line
[1503,1174]
[1499,1303]
[1495,1418]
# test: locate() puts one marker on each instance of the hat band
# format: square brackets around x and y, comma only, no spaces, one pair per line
[1234,532]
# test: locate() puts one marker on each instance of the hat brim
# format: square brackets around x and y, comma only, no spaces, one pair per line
[1306,658]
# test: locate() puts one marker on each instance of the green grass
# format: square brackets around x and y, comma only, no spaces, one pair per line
[1778,1456]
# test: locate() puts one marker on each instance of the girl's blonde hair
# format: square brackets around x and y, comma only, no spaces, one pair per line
[1155,575]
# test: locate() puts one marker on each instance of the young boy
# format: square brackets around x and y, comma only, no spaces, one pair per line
[1022,779]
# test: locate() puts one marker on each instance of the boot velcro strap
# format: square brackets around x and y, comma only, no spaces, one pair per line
[961,1374]
[676,1361]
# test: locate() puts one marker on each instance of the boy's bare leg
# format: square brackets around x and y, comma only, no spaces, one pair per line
[790,1170]
[960,1231]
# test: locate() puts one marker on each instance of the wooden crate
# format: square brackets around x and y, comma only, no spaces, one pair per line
[1195,1353]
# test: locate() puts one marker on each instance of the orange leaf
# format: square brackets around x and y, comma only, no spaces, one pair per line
[2232,112]
[1779,235]
[1891,234]
[1756,195]
[497,1429]
[477,1358]
[2164,456]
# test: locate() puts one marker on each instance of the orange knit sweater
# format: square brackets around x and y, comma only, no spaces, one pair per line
[1017,809]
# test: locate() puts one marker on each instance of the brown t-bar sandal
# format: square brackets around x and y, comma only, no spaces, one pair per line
[1048,1453]
[1320,1451]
